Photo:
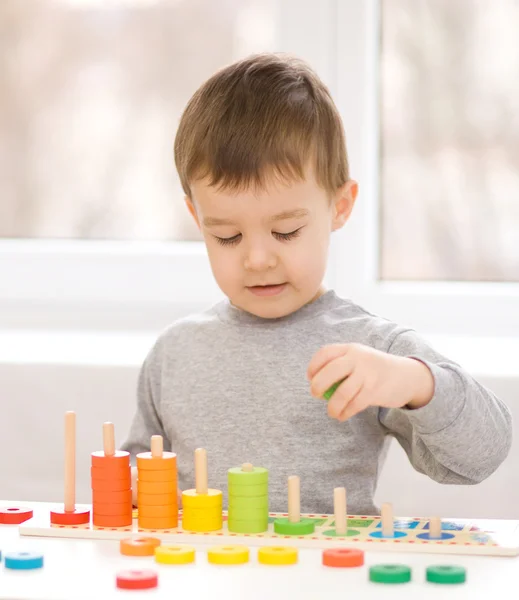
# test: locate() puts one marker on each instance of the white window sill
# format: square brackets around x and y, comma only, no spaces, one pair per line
[482,357]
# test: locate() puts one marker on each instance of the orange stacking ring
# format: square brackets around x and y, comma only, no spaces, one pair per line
[107,485]
[157,476]
[111,473]
[158,522]
[168,510]
[112,521]
[156,499]
[152,487]
[111,510]
[343,557]
[144,546]
[99,459]
[111,497]
[147,462]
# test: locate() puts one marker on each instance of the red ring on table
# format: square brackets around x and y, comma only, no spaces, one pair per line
[137,579]
[14,515]
[343,557]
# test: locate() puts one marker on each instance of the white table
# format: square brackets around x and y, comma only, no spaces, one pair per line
[86,569]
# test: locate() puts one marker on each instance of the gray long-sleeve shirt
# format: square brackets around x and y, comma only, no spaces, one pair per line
[235,384]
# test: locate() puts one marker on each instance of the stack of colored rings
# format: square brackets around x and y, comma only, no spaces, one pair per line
[157,490]
[202,512]
[248,499]
[111,489]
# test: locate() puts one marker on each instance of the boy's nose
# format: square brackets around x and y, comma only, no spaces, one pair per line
[259,259]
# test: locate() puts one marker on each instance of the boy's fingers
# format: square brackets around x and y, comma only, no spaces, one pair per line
[324,356]
[344,396]
[354,407]
[332,372]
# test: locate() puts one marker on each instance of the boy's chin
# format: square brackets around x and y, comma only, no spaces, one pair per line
[267,309]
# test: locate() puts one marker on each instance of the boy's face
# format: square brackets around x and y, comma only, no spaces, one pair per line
[268,249]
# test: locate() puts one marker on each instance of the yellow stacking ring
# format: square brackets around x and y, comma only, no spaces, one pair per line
[174,555]
[228,555]
[277,555]
[213,499]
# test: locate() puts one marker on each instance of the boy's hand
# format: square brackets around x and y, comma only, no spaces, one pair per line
[371,378]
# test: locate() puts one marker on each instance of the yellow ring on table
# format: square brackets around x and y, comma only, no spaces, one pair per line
[228,555]
[277,555]
[174,555]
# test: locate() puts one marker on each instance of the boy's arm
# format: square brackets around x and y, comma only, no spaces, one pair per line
[463,434]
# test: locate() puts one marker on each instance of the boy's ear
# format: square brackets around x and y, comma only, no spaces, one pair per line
[344,201]
[191,208]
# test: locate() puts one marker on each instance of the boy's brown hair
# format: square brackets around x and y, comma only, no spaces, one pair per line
[268,114]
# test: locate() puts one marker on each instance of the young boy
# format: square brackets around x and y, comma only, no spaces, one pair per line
[261,155]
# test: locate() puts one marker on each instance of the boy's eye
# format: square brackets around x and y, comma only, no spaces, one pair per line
[228,241]
[232,241]
[288,236]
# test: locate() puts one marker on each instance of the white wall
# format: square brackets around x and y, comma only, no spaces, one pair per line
[35,395]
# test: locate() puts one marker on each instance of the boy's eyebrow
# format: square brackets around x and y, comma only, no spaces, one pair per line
[287,214]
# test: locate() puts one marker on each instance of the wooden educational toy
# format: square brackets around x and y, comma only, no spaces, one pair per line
[202,507]
[70,515]
[248,508]
[111,484]
[157,487]
[247,521]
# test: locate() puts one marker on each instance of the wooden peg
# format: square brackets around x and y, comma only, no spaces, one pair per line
[70,461]
[201,471]
[294,499]
[70,515]
[339,507]
[157,446]
[108,439]
[247,467]
[388,529]
[435,528]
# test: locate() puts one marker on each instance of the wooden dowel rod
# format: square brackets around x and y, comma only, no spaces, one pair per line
[201,471]
[339,507]
[70,461]
[108,439]
[294,499]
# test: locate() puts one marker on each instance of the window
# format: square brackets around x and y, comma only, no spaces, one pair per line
[449,135]
[427,92]
[91,95]
[93,229]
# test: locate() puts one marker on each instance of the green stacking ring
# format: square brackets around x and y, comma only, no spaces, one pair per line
[252,526]
[236,475]
[390,573]
[446,574]
[248,491]
[331,390]
[238,502]
[247,514]
[286,527]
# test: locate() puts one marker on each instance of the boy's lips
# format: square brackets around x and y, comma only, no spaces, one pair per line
[267,290]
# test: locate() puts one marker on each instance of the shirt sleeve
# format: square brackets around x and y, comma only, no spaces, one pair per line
[463,434]
[147,420]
